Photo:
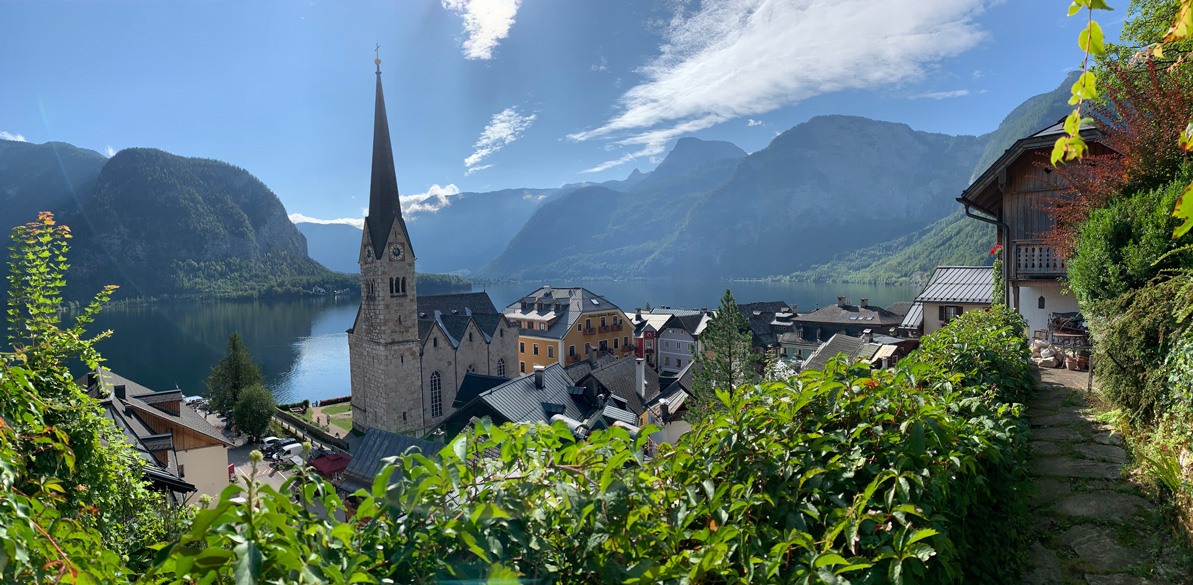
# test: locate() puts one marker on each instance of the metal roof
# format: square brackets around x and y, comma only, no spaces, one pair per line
[839,344]
[376,446]
[914,318]
[959,284]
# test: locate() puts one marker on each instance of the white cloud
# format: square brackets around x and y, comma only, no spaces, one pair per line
[505,127]
[485,21]
[109,151]
[475,169]
[739,58]
[433,200]
[533,197]
[358,223]
[753,122]
[602,66]
[7,136]
[941,95]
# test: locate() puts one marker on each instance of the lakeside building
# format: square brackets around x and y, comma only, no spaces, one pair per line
[184,455]
[646,331]
[950,292]
[564,325]
[409,354]
[1008,195]
[678,341]
[811,330]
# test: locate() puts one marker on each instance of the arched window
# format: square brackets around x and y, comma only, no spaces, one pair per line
[435,341]
[391,286]
[471,369]
[436,395]
[1041,302]
[403,285]
[501,367]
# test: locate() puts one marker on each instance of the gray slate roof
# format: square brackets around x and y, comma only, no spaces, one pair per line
[959,284]
[454,313]
[518,400]
[375,446]
[851,315]
[620,379]
[900,308]
[839,344]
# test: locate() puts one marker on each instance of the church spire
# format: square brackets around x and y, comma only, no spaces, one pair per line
[384,205]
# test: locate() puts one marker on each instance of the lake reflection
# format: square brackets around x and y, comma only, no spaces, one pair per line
[303,347]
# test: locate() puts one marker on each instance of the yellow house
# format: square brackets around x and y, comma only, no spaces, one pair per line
[566,325]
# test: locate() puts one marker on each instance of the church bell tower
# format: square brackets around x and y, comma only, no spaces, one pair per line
[383,342]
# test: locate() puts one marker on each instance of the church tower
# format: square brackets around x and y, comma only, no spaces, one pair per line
[383,342]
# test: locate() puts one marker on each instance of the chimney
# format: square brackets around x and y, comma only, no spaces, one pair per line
[793,310]
[842,301]
[538,377]
[867,336]
[640,376]
[119,391]
[703,309]
[865,302]
[92,379]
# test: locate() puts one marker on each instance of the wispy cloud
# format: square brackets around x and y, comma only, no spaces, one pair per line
[9,136]
[737,58]
[505,127]
[109,151]
[753,122]
[486,22]
[433,200]
[358,223]
[941,95]
[602,66]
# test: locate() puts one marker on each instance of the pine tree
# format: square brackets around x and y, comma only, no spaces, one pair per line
[724,360]
[233,374]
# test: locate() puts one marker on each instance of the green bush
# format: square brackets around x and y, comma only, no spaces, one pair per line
[987,348]
[1120,244]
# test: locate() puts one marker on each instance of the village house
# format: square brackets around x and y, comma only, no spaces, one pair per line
[646,330]
[183,453]
[564,325]
[678,340]
[409,354]
[878,351]
[950,292]
[667,408]
[1008,195]
[811,330]
[767,320]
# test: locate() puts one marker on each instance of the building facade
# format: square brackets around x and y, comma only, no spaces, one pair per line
[409,354]
[678,341]
[565,325]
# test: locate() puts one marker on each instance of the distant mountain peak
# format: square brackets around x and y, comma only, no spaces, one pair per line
[690,153]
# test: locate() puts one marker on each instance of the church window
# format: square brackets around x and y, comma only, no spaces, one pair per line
[550,351]
[435,342]
[501,367]
[391,286]
[436,395]
[403,285]
[471,369]
[501,333]
[469,336]
[536,349]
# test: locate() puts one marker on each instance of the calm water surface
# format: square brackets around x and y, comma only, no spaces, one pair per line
[303,347]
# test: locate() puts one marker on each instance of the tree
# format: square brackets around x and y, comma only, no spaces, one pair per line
[233,374]
[253,411]
[724,360]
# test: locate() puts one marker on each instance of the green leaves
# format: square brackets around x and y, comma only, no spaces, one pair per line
[1092,40]
[1183,211]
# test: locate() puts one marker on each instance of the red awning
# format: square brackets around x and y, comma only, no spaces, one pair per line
[332,464]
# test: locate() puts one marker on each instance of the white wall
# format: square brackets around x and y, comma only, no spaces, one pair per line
[1054,302]
[206,468]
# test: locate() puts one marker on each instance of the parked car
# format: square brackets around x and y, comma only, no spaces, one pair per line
[287,451]
[274,448]
[268,442]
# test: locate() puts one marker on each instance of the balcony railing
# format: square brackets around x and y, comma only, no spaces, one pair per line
[589,331]
[603,329]
[617,326]
[1035,259]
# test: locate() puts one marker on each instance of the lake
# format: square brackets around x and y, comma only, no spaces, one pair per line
[303,348]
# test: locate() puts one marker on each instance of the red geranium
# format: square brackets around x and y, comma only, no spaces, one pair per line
[995,249]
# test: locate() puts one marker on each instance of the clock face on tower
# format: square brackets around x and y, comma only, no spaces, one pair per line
[369,254]
[397,252]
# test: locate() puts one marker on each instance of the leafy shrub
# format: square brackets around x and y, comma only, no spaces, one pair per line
[987,348]
[1120,244]
[1133,335]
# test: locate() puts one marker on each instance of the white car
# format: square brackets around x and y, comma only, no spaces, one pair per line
[292,450]
[267,441]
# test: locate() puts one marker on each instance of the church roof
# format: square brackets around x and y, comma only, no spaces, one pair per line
[384,206]
[461,303]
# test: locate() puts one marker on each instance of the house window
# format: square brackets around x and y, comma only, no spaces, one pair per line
[501,367]
[587,348]
[571,350]
[522,367]
[625,340]
[181,471]
[614,343]
[588,323]
[521,347]
[578,327]
[436,395]
[666,361]
[536,349]
[949,312]
[1041,302]
[550,351]
[542,326]
[667,344]
[678,362]
[602,320]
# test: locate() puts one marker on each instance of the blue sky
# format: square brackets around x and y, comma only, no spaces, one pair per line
[493,94]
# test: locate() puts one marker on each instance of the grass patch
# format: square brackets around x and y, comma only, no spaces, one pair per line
[344,423]
[337,408]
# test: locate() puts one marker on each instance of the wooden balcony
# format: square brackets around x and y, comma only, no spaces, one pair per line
[603,329]
[1036,260]
[589,331]
[617,326]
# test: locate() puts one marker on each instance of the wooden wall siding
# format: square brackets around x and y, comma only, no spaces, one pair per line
[1022,210]
[184,437]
